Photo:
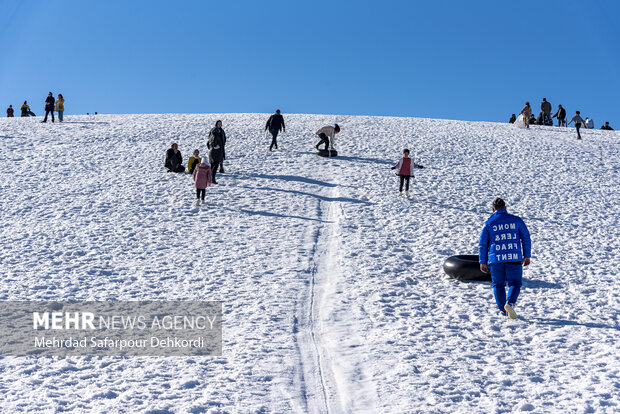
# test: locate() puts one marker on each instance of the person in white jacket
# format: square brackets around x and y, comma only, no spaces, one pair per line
[327,134]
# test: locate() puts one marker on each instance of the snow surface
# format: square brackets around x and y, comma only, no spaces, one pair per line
[333,290]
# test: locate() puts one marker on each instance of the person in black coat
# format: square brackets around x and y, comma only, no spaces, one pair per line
[275,124]
[49,106]
[561,116]
[513,118]
[217,140]
[174,159]
[607,127]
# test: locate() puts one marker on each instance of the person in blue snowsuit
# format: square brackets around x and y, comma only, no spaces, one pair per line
[504,248]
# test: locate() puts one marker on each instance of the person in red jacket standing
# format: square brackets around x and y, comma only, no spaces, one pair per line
[9,111]
[404,169]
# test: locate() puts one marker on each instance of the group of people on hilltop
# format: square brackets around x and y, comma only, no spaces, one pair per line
[51,105]
[545,117]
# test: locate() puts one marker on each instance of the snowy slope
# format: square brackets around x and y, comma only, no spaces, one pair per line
[333,292]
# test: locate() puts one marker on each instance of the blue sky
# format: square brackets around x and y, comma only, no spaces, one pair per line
[478,60]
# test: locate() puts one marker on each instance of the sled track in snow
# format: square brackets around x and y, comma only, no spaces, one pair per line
[317,381]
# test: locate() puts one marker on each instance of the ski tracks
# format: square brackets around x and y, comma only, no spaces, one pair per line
[328,377]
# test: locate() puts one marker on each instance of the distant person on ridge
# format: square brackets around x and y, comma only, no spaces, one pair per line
[607,127]
[404,169]
[527,114]
[589,123]
[60,106]
[561,116]
[275,124]
[513,118]
[9,111]
[25,109]
[327,134]
[545,107]
[532,120]
[503,248]
[49,106]
[540,119]
[217,140]
[578,122]
[174,159]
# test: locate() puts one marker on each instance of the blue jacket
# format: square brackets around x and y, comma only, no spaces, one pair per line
[502,237]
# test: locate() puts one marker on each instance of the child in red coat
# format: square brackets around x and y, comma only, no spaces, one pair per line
[404,169]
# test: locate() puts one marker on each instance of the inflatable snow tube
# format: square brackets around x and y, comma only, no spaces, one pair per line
[465,267]
[327,153]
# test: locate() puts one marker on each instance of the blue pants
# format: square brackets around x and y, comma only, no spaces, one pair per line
[502,273]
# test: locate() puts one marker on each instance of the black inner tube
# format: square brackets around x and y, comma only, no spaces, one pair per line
[465,267]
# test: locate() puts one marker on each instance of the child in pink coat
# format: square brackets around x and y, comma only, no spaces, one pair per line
[202,180]
[404,169]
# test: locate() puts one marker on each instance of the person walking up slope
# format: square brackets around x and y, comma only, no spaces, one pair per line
[578,122]
[545,107]
[202,180]
[275,124]
[9,111]
[503,248]
[404,169]
[527,114]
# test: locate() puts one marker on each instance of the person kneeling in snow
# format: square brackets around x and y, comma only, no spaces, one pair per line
[404,169]
[202,180]
[327,134]
[174,159]
[504,246]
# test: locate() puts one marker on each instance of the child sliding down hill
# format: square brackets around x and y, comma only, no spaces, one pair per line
[202,180]
[404,169]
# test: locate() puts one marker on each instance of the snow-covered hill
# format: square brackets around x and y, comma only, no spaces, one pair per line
[333,290]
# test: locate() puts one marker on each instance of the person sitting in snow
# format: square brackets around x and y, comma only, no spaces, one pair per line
[513,118]
[607,127]
[9,111]
[327,134]
[174,159]
[202,179]
[404,169]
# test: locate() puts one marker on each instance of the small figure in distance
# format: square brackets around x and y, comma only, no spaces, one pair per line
[49,106]
[275,124]
[578,121]
[327,135]
[541,119]
[194,161]
[202,180]
[60,106]
[527,114]
[404,169]
[174,159]
[589,123]
[607,127]
[9,111]
[26,110]
[513,118]
[217,140]
[561,116]
[545,107]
